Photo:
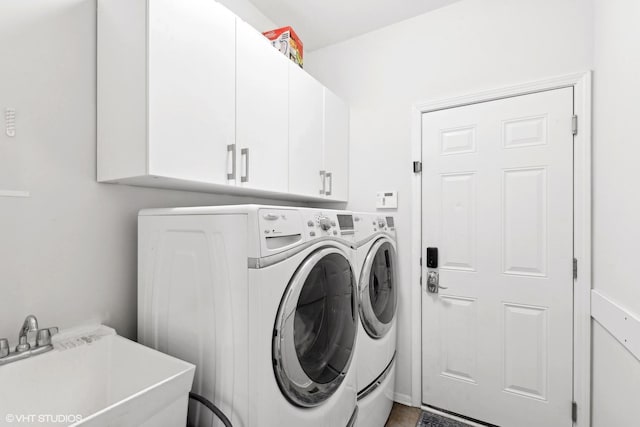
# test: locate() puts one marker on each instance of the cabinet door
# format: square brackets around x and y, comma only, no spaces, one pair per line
[336,147]
[262,109]
[191,89]
[305,133]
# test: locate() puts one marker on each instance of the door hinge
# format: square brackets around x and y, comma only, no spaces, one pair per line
[575,268]
[417,167]
[574,412]
[420,261]
[574,124]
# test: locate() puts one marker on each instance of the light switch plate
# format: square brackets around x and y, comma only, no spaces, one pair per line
[10,122]
[387,200]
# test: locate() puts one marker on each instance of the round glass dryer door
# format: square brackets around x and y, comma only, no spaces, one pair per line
[378,288]
[315,330]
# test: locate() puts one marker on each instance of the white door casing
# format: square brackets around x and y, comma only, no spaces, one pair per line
[497,188]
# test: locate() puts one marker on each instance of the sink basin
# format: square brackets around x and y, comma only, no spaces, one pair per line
[96,381]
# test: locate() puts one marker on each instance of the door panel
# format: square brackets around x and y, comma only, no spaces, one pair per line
[459,345]
[458,222]
[524,213]
[525,350]
[191,89]
[498,204]
[336,146]
[263,101]
[306,106]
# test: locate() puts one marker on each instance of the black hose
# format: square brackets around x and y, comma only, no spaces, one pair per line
[206,402]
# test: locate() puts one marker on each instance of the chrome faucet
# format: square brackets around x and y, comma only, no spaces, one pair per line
[25,349]
[30,325]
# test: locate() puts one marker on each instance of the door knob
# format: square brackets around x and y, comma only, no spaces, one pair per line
[433,282]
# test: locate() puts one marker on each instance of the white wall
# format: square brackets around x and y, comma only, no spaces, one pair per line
[250,14]
[616,373]
[465,47]
[67,253]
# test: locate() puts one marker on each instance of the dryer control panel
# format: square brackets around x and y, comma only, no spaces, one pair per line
[368,224]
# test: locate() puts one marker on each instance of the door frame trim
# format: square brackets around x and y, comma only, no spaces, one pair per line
[581,82]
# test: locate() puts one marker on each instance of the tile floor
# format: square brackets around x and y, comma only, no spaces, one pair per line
[403,416]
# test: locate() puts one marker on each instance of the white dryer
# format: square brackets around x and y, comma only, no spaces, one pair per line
[376,263]
[263,301]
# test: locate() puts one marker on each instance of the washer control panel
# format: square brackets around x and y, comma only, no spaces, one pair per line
[280,229]
[325,223]
[279,222]
[329,223]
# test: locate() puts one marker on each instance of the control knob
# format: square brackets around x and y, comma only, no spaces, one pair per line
[324,223]
[381,223]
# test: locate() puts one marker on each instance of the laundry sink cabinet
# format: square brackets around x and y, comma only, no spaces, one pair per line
[191,97]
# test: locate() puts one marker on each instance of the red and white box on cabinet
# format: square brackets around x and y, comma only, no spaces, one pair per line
[287,41]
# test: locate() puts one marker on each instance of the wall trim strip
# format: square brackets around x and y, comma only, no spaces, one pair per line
[621,322]
[13,193]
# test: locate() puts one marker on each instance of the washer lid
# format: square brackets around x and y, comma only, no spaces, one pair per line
[378,288]
[316,328]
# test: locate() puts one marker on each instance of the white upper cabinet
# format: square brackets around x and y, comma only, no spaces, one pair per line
[191,91]
[166,90]
[336,147]
[306,109]
[262,107]
[192,98]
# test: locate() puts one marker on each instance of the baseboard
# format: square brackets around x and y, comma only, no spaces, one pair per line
[403,399]
[621,322]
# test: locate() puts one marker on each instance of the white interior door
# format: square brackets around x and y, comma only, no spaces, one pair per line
[497,202]
[262,129]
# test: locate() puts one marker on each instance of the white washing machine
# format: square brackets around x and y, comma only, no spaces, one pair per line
[263,301]
[376,263]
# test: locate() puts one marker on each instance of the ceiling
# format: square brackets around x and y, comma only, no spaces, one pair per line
[320,23]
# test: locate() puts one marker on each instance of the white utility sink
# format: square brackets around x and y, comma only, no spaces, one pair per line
[96,381]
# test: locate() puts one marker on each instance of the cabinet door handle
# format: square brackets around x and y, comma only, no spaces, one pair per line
[245,153]
[322,177]
[330,178]
[231,152]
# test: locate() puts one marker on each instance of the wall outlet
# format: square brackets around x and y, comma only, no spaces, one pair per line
[387,200]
